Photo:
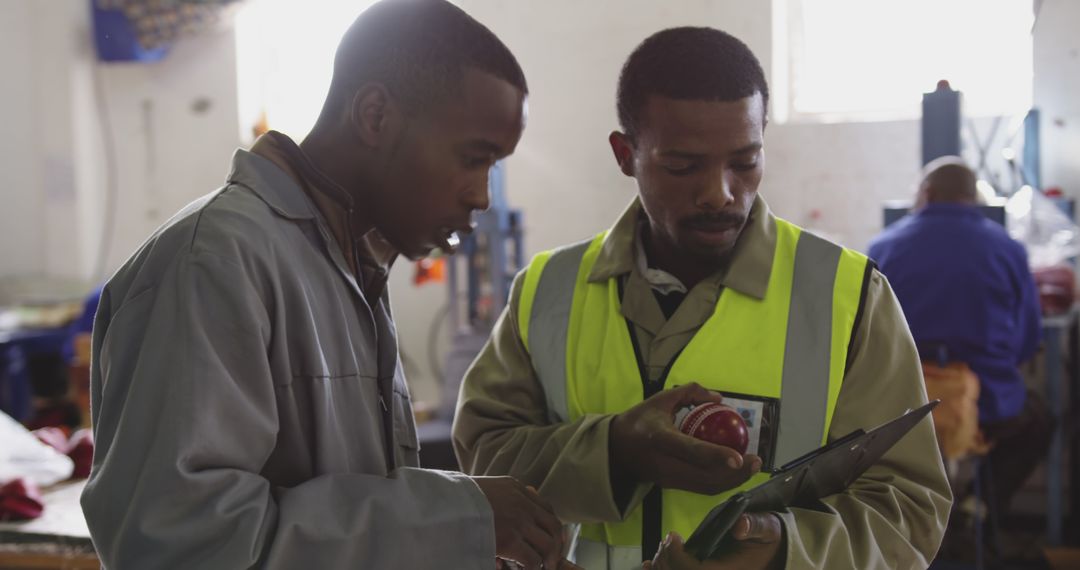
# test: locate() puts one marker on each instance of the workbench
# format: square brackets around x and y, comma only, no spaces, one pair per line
[58,539]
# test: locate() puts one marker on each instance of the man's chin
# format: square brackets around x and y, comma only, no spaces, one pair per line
[416,254]
[716,255]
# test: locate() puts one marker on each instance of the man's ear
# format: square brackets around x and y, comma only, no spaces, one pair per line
[623,148]
[922,196]
[374,116]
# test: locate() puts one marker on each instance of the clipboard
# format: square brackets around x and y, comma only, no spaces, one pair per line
[803,481]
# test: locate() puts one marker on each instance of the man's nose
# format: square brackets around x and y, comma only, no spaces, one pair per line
[717,194]
[478,197]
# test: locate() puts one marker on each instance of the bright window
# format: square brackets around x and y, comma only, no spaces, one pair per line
[285,58]
[872,59]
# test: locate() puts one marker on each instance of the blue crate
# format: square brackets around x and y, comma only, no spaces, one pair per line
[115,39]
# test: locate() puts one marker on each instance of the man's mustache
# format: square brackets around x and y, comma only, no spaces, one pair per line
[719,220]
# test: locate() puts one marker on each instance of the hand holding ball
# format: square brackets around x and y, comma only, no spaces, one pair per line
[717,424]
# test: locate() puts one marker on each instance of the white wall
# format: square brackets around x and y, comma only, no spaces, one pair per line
[52,167]
[1057,92]
[21,201]
[67,150]
[833,178]
[175,123]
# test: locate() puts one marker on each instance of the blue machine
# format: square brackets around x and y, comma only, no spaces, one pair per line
[488,259]
[940,123]
[479,277]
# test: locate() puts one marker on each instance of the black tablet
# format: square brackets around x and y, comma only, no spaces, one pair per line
[803,481]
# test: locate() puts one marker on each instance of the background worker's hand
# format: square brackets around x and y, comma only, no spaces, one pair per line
[646,445]
[526,528]
[759,541]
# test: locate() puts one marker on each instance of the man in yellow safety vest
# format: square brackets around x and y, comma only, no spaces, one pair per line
[699,293]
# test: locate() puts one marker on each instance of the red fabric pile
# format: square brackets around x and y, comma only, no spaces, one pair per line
[1057,286]
[79,447]
[20,500]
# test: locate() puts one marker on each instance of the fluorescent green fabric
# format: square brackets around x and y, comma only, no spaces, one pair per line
[740,349]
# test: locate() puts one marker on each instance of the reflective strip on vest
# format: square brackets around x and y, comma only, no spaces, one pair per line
[528,294]
[586,365]
[807,349]
[544,332]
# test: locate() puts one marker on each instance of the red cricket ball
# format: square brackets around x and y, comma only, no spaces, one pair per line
[717,424]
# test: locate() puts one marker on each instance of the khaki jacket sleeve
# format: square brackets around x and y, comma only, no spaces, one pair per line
[502,428]
[895,514]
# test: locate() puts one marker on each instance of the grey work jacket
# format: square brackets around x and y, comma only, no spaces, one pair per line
[240,388]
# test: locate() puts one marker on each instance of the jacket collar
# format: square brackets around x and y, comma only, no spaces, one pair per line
[950,209]
[272,185]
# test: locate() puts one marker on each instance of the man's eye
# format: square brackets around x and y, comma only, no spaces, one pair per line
[477,162]
[679,169]
[744,166]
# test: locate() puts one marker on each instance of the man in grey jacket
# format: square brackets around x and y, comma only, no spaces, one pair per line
[248,399]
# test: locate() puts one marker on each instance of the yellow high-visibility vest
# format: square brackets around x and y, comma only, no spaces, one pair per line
[791,345]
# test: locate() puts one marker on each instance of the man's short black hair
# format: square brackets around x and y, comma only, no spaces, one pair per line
[688,63]
[418,49]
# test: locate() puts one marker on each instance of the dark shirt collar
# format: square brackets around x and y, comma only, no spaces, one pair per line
[950,209]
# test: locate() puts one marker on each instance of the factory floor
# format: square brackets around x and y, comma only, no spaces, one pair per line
[1063,558]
